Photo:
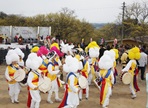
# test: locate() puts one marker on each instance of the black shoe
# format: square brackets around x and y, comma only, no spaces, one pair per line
[142,78]
[86,98]
[80,99]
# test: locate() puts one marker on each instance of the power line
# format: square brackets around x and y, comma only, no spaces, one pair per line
[95,8]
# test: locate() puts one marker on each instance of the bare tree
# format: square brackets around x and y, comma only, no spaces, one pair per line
[133,11]
[128,12]
[136,10]
[67,12]
[144,13]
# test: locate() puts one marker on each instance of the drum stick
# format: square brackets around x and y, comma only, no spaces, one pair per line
[80,87]
[16,76]
[40,84]
[96,85]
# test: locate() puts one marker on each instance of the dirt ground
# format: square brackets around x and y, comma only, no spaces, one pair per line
[121,97]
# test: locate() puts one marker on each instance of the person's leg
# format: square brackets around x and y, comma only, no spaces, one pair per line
[37,104]
[106,101]
[49,97]
[36,98]
[89,78]
[80,95]
[56,90]
[142,73]
[17,91]
[132,90]
[32,104]
[11,92]
[87,91]
[57,96]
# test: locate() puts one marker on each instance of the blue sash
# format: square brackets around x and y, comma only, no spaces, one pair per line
[84,62]
[71,73]
[14,67]
[55,63]
[108,73]
[50,63]
[44,63]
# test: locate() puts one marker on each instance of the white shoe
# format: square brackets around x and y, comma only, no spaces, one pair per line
[12,101]
[16,101]
[49,101]
[62,82]
[133,96]
[58,100]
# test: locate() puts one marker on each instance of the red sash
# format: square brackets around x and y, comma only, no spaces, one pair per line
[29,98]
[64,101]
[83,74]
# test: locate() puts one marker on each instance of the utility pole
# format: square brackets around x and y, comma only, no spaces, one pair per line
[123,8]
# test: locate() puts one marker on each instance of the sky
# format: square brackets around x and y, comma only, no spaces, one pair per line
[93,11]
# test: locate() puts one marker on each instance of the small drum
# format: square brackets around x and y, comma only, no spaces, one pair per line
[24,81]
[44,84]
[82,82]
[19,75]
[126,78]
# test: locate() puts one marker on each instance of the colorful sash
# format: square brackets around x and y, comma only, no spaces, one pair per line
[55,63]
[115,74]
[103,86]
[44,63]
[135,80]
[16,68]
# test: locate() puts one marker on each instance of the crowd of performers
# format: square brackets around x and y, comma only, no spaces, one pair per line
[75,62]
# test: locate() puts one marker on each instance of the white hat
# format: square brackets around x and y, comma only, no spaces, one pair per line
[110,53]
[33,61]
[71,64]
[19,52]
[11,57]
[105,62]
[65,48]
[94,52]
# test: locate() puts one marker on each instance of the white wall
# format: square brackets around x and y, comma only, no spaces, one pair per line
[25,32]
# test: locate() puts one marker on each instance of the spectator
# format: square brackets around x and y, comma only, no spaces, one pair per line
[42,37]
[142,63]
[16,38]
[101,51]
[82,44]
[124,57]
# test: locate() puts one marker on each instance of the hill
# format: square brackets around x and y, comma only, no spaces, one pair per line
[98,25]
